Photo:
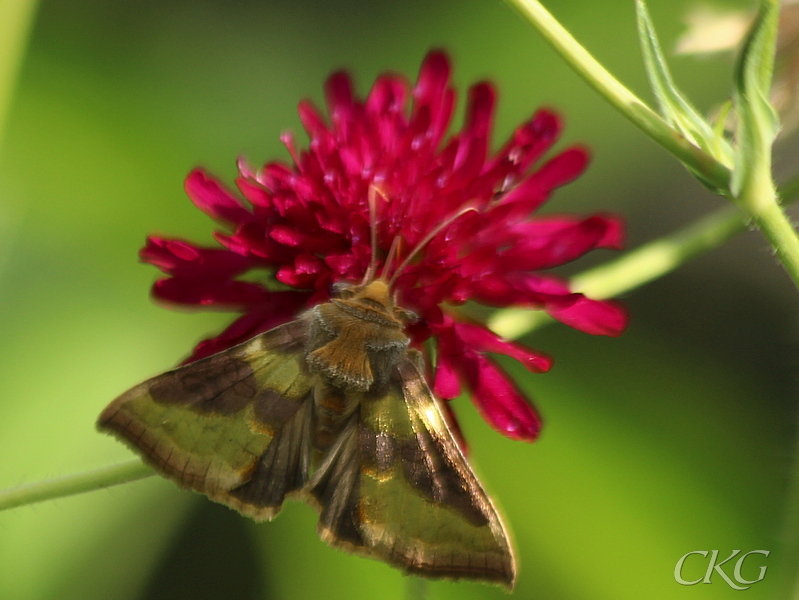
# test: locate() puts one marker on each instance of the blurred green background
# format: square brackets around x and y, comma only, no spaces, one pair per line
[678,436]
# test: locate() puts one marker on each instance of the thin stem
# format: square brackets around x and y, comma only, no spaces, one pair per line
[610,88]
[773,223]
[74,484]
[660,257]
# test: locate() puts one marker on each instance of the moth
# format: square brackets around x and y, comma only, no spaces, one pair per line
[331,409]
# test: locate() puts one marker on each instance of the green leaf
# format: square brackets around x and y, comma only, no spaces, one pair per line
[674,106]
[757,120]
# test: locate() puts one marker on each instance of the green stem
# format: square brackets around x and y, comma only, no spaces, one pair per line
[74,484]
[763,206]
[16,17]
[660,257]
[610,88]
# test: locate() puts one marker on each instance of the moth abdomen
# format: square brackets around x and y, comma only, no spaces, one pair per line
[332,407]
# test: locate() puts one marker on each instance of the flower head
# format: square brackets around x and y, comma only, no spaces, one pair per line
[307,225]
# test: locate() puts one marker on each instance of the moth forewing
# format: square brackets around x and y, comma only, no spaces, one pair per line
[473,541]
[214,425]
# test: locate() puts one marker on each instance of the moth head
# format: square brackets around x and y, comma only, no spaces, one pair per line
[375,295]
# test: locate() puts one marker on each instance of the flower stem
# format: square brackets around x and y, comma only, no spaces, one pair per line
[610,88]
[74,484]
[659,257]
[763,206]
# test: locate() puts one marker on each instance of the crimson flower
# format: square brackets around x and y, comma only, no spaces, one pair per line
[306,225]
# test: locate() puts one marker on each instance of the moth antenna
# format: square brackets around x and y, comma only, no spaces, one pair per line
[372,200]
[391,253]
[427,239]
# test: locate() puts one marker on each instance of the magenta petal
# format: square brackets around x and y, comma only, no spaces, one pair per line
[434,100]
[433,77]
[341,105]
[304,273]
[242,329]
[544,284]
[341,263]
[446,384]
[597,317]
[348,266]
[213,199]
[615,232]
[388,96]
[552,241]
[183,259]
[499,289]
[480,112]
[535,137]
[255,192]
[197,292]
[484,340]
[474,141]
[285,235]
[502,405]
[313,123]
[338,91]
[307,264]
[535,190]
[565,167]
[232,243]
[276,310]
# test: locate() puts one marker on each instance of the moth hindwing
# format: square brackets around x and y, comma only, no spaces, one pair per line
[332,409]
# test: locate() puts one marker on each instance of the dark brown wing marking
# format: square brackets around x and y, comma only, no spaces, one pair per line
[233,425]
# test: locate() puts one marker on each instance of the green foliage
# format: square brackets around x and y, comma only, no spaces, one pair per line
[674,106]
[758,121]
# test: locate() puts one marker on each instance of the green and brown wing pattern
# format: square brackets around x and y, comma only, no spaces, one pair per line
[396,487]
[236,426]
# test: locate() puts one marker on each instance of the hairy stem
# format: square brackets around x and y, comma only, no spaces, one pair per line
[773,223]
